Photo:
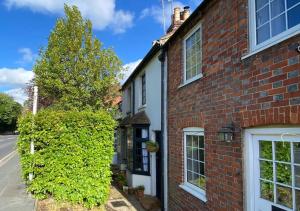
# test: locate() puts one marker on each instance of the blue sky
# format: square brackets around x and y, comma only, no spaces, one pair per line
[129,26]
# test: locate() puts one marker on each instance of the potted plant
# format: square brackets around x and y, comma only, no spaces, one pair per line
[121,181]
[152,146]
[139,191]
[130,190]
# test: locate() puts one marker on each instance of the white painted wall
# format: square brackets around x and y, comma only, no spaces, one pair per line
[153,110]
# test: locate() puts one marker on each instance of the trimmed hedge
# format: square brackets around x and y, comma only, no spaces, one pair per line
[73,153]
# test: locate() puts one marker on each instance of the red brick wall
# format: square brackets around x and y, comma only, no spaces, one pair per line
[263,89]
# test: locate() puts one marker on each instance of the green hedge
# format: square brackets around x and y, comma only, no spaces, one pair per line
[73,153]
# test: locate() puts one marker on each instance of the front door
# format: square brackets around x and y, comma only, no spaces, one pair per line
[276,171]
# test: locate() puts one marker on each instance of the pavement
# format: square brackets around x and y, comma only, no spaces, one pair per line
[13,196]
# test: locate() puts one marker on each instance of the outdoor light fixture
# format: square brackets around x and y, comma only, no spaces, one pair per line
[298,48]
[226,133]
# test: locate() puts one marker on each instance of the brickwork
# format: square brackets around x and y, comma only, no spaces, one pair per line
[263,89]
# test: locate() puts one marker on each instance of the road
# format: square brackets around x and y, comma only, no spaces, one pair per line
[13,196]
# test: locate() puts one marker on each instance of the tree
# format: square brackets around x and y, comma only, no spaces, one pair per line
[75,71]
[9,113]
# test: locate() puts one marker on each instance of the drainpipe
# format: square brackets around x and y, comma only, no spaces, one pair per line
[164,150]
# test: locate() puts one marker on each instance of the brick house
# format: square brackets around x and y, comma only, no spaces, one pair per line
[231,72]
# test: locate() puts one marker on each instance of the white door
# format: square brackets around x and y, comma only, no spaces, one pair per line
[275,176]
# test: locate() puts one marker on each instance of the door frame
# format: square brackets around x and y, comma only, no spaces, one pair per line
[249,199]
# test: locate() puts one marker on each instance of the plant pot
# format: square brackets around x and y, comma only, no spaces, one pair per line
[131,190]
[139,194]
[152,148]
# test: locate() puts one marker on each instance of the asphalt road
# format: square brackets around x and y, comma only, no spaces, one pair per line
[13,196]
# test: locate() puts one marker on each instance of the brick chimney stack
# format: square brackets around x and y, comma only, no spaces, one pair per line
[178,17]
[185,13]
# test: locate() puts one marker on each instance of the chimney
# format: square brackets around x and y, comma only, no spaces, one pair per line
[176,15]
[185,13]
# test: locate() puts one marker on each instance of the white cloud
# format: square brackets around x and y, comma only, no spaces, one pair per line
[122,21]
[18,94]
[28,57]
[128,69]
[156,12]
[102,13]
[18,77]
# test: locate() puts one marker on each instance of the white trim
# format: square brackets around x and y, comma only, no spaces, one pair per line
[192,189]
[249,157]
[196,193]
[193,129]
[187,36]
[253,47]
[195,78]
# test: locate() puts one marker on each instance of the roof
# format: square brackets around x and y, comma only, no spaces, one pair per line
[140,118]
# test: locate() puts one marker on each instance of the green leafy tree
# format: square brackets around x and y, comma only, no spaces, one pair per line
[75,71]
[9,112]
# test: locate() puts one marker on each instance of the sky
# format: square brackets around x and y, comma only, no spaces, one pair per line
[128,26]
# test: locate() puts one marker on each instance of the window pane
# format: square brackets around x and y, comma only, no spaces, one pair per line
[297,176]
[291,3]
[195,141]
[189,176]
[278,25]
[262,16]
[201,141]
[195,154]
[277,7]
[265,150]
[284,196]
[198,181]
[201,168]
[293,16]
[283,173]
[189,140]
[266,170]
[283,151]
[189,152]
[297,153]
[138,132]
[263,33]
[266,190]
[260,3]
[144,133]
[189,164]
[196,167]
[201,155]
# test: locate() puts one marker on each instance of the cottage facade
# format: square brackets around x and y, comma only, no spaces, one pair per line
[233,67]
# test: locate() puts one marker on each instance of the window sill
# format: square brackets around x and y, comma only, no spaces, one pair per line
[197,194]
[275,42]
[187,82]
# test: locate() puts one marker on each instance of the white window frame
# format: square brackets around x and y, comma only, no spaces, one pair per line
[190,188]
[254,48]
[249,158]
[187,36]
